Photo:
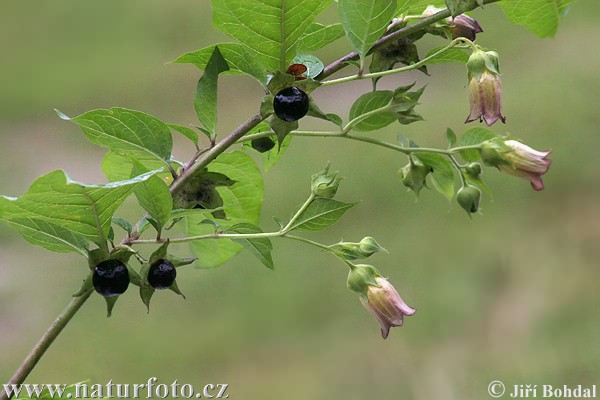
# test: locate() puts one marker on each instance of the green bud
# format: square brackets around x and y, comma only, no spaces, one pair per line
[414,176]
[354,251]
[369,246]
[324,184]
[362,276]
[473,169]
[468,197]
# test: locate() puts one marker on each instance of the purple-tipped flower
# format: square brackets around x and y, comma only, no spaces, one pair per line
[526,163]
[517,159]
[386,305]
[485,88]
[379,297]
[464,26]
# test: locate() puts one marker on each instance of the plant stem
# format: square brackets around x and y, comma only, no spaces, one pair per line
[396,70]
[400,33]
[45,341]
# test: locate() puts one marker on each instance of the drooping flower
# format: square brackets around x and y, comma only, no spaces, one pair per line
[527,163]
[485,88]
[517,159]
[464,26]
[379,297]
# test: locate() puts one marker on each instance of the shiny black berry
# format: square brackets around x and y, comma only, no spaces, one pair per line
[291,104]
[162,274]
[263,144]
[110,278]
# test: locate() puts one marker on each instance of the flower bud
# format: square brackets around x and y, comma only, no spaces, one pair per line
[485,88]
[368,246]
[414,175]
[464,26]
[473,169]
[354,251]
[324,184]
[468,197]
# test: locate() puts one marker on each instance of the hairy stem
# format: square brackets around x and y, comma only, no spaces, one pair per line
[45,341]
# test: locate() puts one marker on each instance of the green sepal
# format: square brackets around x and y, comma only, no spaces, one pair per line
[279,81]
[458,7]
[87,285]
[110,304]
[315,111]
[175,288]
[180,262]
[122,253]
[160,253]
[95,257]
[362,276]
[266,106]
[282,128]
[307,85]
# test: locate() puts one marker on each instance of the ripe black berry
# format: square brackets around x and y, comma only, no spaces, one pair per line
[263,144]
[110,278]
[162,274]
[291,104]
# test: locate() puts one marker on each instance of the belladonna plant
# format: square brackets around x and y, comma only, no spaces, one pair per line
[217,194]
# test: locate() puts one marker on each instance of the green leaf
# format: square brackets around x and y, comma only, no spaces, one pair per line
[153,195]
[122,223]
[321,214]
[318,36]
[449,56]
[539,16]
[365,21]
[271,29]
[242,203]
[205,100]
[187,132]
[282,128]
[118,167]
[239,58]
[451,136]
[416,6]
[313,64]
[61,214]
[271,157]
[457,7]
[472,137]
[400,51]
[371,101]
[442,176]
[127,132]
[260,247]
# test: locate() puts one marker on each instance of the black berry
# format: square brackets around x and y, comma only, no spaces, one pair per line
[110,278]
[263,144]
[162,274]
[291,104]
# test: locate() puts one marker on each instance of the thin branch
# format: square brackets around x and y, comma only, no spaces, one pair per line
[45,341]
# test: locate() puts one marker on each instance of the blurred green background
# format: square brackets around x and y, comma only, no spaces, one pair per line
[510,295]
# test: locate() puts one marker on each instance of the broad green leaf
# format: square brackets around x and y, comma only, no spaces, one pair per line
[205,100]
[282,128]
[472,137]
[321,214]
[45,234]
[242,203]
[127,132]
[153,195]
[365,21]
[442,175]
[457,7]
[118,167]
[539,16]
[239,58]
[83,210]
[270,28]
[313,64]
[449,56]
[369,102]
[260,247]
[187,132]
[318,36]
[417,6]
